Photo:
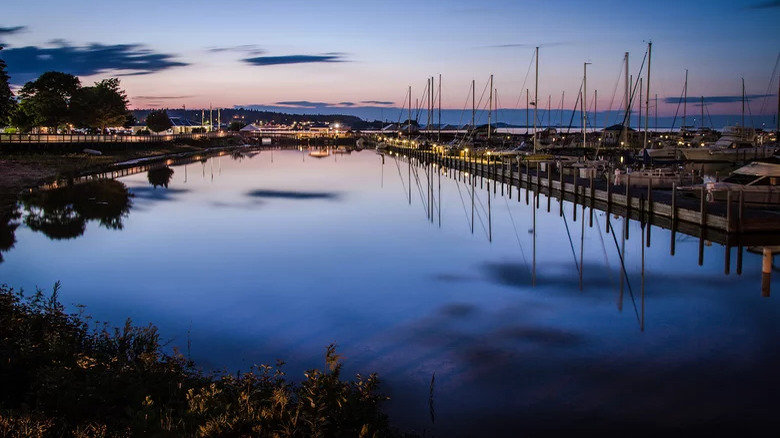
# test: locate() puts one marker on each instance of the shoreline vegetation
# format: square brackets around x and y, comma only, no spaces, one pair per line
[22,170]
[68,376]
[65,378]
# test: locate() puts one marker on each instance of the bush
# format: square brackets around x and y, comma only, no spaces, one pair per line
[62,378]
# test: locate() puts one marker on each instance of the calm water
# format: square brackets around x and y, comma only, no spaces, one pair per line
[277,255]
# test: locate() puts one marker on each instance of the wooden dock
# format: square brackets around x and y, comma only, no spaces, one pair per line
[731,223]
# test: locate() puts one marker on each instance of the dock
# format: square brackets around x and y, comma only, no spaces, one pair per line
[731,223]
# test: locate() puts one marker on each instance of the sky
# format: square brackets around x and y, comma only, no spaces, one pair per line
[345,54]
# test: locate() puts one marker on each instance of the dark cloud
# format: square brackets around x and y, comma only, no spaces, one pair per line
[245,48]
[281,194]
[718,99]
[347,103]
[11,30]
[377,102]
[304,104]
[294,59]
[765,5]
[27,63]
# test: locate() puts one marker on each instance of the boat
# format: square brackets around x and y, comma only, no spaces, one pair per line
[755,183]
[657,178]
[736,144]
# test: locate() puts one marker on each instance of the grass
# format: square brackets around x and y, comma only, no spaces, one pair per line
[65,379]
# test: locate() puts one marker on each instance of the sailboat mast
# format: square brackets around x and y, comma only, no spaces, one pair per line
[701,125]
[777,116]
[647,95]
[473,104]
[536,95]
[490,106]
[743,102]
[409,122]
[628,98]
[596,112]
[685,98]
[639,115]
[584,105]
[438,137]
[527,111]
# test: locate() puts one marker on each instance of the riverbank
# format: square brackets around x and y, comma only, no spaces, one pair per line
[19,171]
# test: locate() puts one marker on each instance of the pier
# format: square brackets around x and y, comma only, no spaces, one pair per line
[732,223]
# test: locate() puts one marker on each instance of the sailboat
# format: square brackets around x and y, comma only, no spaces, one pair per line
[756,183]
[736,144]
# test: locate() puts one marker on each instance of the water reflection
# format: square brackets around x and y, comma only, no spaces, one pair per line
[8,225]
[407,296]
[299,195]
[62,213]
[160,176]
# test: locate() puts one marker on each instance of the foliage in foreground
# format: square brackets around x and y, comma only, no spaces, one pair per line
[61,378]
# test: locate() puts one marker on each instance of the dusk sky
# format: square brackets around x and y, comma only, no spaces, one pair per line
[362,53]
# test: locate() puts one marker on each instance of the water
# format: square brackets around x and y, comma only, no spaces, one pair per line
[278,254]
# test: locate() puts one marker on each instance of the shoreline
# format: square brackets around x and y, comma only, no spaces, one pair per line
[21,171]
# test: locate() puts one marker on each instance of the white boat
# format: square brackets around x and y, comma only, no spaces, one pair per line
[657,178]
[737,144]
[756,183]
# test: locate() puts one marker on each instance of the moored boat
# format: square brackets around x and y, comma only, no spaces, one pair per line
[755,183]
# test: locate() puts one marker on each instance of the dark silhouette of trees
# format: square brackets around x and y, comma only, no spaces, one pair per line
[47,99]
[158,121]
[160,176]
[63,213]
[7,101]
[100,106]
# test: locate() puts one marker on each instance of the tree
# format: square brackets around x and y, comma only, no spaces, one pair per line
[7,101]
[48,98]
[158,121]
[100,106]
[236,126]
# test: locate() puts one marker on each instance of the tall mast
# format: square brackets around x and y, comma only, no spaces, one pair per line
[647,95]
[639,116]
[490,106]
[596,113]
[584,104]
[549,110]
[627,97]
[656,113]
[527,111]
[536,94]
[438,137]
[685,98]
[409,122]
[473,104]
[743,102]
[701,125]
[777,116]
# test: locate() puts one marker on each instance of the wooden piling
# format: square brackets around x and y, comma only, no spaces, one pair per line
[766,270]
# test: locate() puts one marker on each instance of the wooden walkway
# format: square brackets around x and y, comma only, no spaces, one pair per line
[731,223]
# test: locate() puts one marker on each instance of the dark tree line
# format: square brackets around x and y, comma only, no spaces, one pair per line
[57,100]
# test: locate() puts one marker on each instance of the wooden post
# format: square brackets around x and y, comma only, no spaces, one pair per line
[628,201]
[609,203]
[560,204]
[673,216]
[649,210]
[549,186]
[728,212]
[527,182]
[703,208]
[592,196]
[575,197]
[766,270]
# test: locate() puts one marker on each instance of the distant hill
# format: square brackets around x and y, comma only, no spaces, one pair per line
[259,116]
